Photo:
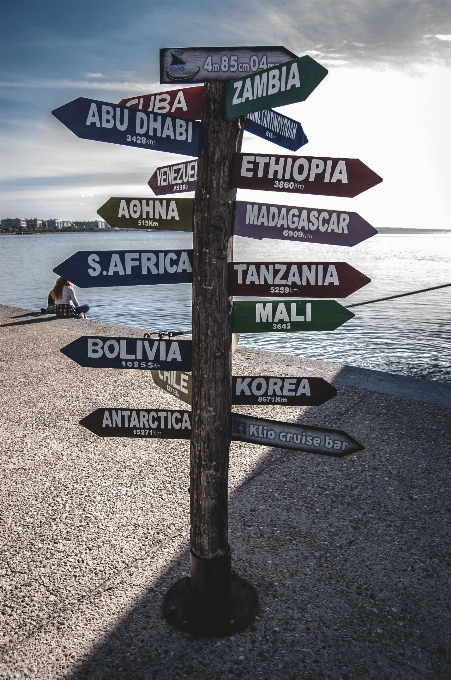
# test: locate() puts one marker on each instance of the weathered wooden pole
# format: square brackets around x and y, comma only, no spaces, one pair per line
[211,601]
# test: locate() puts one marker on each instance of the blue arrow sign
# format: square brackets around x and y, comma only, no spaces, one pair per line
[127,268]
[105,122]
[277,128]
[135,353]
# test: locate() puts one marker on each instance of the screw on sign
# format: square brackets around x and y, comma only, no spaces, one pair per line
[148,213]
[281,316]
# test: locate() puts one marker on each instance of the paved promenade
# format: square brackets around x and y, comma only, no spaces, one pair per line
[350,557]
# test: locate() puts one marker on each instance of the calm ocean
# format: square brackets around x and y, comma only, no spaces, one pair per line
[408,336]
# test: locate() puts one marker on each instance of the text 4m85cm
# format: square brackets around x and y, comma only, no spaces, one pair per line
[231,64]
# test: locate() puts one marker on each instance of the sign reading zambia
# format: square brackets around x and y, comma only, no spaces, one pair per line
[123,268]
[288,83]
[176,178]
[261,316]
[104,352]
[292,223]
[148,213]
[105,122]
[183,103]
[306,175]
[139,422]
[295,279]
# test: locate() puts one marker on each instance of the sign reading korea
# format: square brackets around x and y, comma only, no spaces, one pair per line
[122,268]
[295,279]
[264,389]
[292,223]
[104,122]
[138,422]
[148,213]
[176,178]
[262,316]
[293,436]
[178,384]
[197,64]
[276,128]
[291,82]
[183,103]
[296,174]
[104,352]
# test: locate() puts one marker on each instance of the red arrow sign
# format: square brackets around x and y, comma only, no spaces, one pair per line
[183,103]
[303,174]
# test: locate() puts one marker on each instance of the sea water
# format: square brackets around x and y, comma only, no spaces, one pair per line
[407,336]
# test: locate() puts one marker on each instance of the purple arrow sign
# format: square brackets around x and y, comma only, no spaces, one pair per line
[174,179]
[292,223]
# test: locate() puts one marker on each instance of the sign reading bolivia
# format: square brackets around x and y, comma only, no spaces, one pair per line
[148,213]
[104,352]
[138,422]
[295,279]
[288,83]
[266,316]
[306,175]
[276,128]
[176,178]
[292,223]
[183,103]
[197,64]
[293,436]
[104,122]
[123,268]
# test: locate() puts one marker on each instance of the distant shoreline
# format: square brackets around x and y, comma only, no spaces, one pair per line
[382,230]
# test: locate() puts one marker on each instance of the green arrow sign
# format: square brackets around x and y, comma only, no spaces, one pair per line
[174,214]
[282,84]
[286,316]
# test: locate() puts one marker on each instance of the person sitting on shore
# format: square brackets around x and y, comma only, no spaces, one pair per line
[50,304]
[64,294]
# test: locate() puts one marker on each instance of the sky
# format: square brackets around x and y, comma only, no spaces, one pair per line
[385,100]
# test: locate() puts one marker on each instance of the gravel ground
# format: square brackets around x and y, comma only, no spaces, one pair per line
[350,557]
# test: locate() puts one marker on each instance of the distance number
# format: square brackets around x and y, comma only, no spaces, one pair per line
[145,433]
[179,187]
[139,364]
[147,223]
[288,232]
[281,326]
[280,289]
[140,140]
[231,64]
[288,185]
[272,400]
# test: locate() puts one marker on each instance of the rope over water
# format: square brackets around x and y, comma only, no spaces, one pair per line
[392,297]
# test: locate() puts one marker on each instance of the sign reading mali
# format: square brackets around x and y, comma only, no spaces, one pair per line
[262,316]
[148,213]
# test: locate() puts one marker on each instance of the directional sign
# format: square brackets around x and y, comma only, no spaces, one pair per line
[138,422]
[291,82]
[276,128]
[104,352]
[176,178]
[127,268]
[295,279]
[303,175]
[292,223]
[269,316]
[148,213]
[293,436]
[178,384]
[283,391]
[185,102]
[104,122]
[197,64]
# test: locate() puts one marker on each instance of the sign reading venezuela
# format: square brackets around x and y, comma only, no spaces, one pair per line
[306,175]
[104,352]
[123,268]
[288,83]
[148,213]
[183,103]
[104,122]
[176,178]
[292,223]
[266,316]
[295,279]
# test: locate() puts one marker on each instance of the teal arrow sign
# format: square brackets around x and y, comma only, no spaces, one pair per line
[286,316]
[283,84]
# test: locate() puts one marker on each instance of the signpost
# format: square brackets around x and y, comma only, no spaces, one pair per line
[178,384]
[186,102]
[130,353]
[138,422]
[279,85]
[198,64]
[277,128]
[176,178]
[292,223]
[295,279]
[281,316]
[105,122]
[123,268]
[303,174]
[148,213]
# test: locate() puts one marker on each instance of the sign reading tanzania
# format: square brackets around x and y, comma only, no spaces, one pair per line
[148,213]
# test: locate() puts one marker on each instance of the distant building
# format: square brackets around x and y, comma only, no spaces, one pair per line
[34,224]
[14,223]
[91,224]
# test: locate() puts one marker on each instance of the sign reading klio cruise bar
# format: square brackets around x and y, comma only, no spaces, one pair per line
[271,316]
[104,352]
[303,174]
[105,122]
[197,64]
[288,83]
[183,103]
[123,268]
[295,279]
[293,436]
[176,178]
[292,223]
[139,422]
[148,213]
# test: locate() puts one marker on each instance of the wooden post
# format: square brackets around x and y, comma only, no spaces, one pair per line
[211,602]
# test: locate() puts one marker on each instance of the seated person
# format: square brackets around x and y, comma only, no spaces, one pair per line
[64,294]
